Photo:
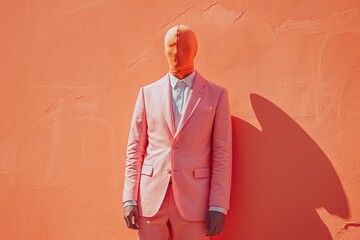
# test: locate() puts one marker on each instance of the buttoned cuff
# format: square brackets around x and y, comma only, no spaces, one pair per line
[130,202]
[218,209]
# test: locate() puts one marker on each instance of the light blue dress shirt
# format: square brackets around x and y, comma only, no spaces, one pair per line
[180,92]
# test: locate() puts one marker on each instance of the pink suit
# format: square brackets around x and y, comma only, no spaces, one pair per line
[197,156]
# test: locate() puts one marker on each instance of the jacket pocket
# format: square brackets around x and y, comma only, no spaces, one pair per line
[202,172]
[147,170]
[203,111]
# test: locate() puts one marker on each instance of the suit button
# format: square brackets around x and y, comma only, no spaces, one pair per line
[168,170]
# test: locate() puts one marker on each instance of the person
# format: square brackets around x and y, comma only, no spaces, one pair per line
[179,152]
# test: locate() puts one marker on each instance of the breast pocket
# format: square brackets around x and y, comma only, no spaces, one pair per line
[203,111]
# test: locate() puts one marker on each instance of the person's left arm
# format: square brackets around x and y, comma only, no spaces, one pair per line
[221,166]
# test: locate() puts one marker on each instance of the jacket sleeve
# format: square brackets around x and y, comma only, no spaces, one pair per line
[136,147]
[221,154]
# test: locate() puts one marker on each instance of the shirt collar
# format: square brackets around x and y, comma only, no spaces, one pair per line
[188,79]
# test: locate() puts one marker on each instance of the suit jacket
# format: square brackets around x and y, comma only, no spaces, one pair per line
[197,156]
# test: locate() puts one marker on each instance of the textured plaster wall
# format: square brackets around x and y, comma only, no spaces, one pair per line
[69,74]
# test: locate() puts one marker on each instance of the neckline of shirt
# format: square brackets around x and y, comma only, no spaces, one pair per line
[188,79]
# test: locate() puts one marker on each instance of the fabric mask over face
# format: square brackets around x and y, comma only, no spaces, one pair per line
[180,49]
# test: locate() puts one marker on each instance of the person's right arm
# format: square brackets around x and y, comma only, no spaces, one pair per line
[136,147]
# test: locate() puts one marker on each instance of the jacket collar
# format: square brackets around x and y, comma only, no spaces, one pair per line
[165,98]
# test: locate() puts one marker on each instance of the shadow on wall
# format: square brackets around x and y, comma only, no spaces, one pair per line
[280,176]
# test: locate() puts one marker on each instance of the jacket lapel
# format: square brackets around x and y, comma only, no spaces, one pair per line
[193,100]
[165,97]
[166,102]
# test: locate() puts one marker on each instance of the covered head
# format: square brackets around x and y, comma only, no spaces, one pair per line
[180,49]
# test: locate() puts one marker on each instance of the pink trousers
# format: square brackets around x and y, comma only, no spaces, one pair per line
[168,224]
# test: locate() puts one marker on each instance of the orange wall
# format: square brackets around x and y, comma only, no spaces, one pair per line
[70,71]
